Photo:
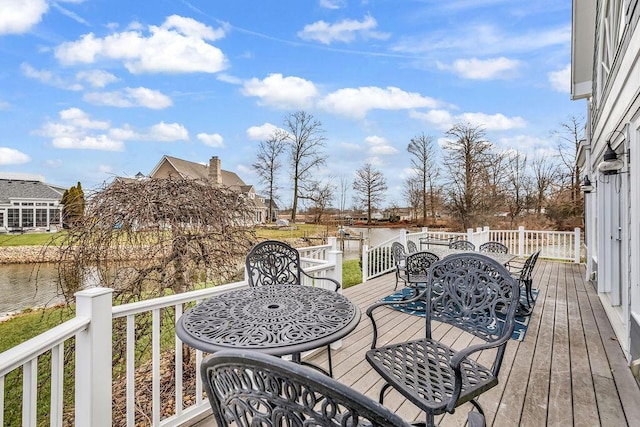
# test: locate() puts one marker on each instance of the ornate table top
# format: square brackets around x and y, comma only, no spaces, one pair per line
[278,320]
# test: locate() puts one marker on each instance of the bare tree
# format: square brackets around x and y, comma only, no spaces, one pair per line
[544,175]
[344,189]
[369,185]
[148,238]
[467,158]
[568,143]
[517,184]
[423,162]
[307,140]
[268,164]
[320,194]
[412,192]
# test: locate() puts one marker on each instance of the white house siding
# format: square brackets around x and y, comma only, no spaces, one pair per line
[612,214]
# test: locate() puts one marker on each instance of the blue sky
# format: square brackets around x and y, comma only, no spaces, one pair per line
[92,89]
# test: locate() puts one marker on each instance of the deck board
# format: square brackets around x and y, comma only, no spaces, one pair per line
[567,371]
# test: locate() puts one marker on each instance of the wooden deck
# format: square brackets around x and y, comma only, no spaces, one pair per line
[569,370]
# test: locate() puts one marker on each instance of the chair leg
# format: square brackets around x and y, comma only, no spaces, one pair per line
[475,403]
[384,388]
[329,357]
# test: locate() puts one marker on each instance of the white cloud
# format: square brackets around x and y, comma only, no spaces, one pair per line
[19,16]
[281,92]
[11,156]
[528,144]
[357,102]
[4,105]
[53,163]
[48,78]
[245,170]
[485,40]
[105,168]
[96,78]
[444,120]
[76,130]
[344,31]
[228,78]
[160,132]
[130,97]
[379,146]
[211,139]
[482,69]
[262,132]
[179,45]
[561,80]
[167,132]
[332,4]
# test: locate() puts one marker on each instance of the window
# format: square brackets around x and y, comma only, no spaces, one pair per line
[27,218]
[41,217]
[54,216]
[2,219]
[27,203]
[13,218]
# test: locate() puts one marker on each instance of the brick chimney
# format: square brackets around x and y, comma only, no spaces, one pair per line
[215,172]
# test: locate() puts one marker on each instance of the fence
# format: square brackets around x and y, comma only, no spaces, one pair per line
[92,328]
[555,245]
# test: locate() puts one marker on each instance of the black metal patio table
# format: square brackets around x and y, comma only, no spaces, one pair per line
[276,319]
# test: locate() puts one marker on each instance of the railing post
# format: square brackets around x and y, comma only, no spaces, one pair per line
[365,263]
[403,237]
[93,380]
[521,241]
[335,257]
[470,234]
[333,241]
[576,243]
[485,234]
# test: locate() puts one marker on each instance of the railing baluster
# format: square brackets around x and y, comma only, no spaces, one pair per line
[178,362]
[155,349]
[131,370]
[2,400]
[198,379]
[29,392]
[57,382]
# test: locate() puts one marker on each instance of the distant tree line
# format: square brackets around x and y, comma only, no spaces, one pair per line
[467,176]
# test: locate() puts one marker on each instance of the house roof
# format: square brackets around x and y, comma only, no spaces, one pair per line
[28,189]
[193,170]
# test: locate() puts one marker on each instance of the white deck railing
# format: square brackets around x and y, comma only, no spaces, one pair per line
[93,331]
[554,245]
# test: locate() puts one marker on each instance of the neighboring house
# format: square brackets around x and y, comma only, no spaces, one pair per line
[29,204]
[605,71]
[174,167]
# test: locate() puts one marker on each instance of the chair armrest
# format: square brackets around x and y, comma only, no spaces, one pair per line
[386,303]
[335,282]
[457,359]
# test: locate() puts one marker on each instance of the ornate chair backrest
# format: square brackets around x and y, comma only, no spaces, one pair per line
[493,247]
[418,264]
[397,252]
[529,264]
[273,263]
[462,244]
[468,291]
[411,246]
[252,389]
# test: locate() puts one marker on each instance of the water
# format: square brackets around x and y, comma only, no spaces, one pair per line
[19,290]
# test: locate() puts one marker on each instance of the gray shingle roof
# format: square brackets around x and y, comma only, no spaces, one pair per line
[24,189]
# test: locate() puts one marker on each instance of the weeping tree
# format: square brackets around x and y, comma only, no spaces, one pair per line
[148,238]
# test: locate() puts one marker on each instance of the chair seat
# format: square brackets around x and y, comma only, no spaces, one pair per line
[421,371]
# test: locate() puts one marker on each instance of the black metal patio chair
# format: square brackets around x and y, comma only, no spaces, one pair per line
[276,263]
[464,245]
[473,293]
[411,246]
[399,255]
[523,273]
[248,389]
[417,268]
[493,247]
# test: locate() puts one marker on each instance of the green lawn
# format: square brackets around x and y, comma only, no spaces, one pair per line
[29,239]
